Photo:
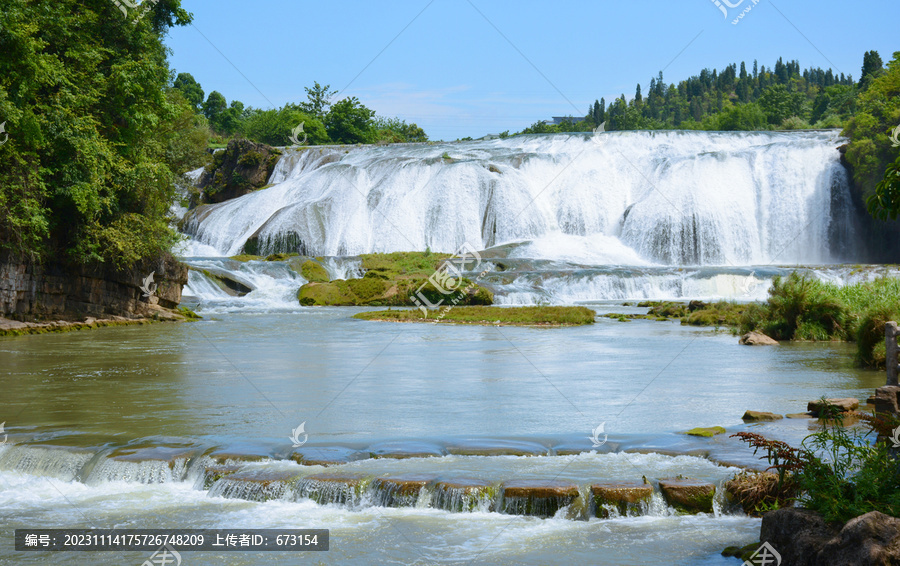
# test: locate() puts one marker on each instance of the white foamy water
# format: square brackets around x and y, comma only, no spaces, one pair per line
[698,198]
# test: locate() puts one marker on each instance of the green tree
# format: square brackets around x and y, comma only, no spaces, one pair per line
[871,69]
[885,202]
[215,104]
[89,165]
[779,104]
[877,114]
[229,121]
[348,121]
[274,127]
[190,89]
[318,100]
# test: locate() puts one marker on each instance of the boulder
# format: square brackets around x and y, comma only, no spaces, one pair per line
[797,534]
[757,339]
[803,538]
[621,495]
[873,538]
[688,495]
[760,416]
[844,405]
[887,399]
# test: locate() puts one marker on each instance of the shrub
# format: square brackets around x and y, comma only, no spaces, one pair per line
[798,303]
[837,472]
[870,347]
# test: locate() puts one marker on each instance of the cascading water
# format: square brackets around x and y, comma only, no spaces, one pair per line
[623,198]
[564,218]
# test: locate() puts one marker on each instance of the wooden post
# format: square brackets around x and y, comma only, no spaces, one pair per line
[891,333]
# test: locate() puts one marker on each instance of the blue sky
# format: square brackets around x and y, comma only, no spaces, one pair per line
[468,68]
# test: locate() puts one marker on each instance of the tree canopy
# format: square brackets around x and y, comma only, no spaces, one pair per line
[96,132]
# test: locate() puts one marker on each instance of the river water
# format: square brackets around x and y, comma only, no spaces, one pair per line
[239,383]
[126,427]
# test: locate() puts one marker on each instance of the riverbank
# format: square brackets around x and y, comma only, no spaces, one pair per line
[16,328]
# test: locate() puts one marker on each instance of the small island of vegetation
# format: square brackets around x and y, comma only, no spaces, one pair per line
[508,316]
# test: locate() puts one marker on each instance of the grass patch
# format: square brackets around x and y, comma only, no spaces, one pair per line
[695,313]
[802,308]
[514,316]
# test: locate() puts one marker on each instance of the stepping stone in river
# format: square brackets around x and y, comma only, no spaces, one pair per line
[255,485]
[537,498]
[326,455]
[760,416]
[400,491]
[403,450]
[706,431]
[212,474]
[688,495]
[623,495]
[343,489]
[497,448]
[843,405]
[461,495]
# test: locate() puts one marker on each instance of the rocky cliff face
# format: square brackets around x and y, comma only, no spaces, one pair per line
[241,168]
[37,292]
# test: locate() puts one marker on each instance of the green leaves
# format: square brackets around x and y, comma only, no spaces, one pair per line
[88,169]
[348,121]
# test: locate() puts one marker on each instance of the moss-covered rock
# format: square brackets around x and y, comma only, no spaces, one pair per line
[325,294]
[393,280]
[241,168]
[688,495]
[706,431]
[314,272]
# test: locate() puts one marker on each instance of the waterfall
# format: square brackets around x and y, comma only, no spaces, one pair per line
[634,198]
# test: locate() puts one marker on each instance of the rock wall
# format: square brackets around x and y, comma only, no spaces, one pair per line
[31,291]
